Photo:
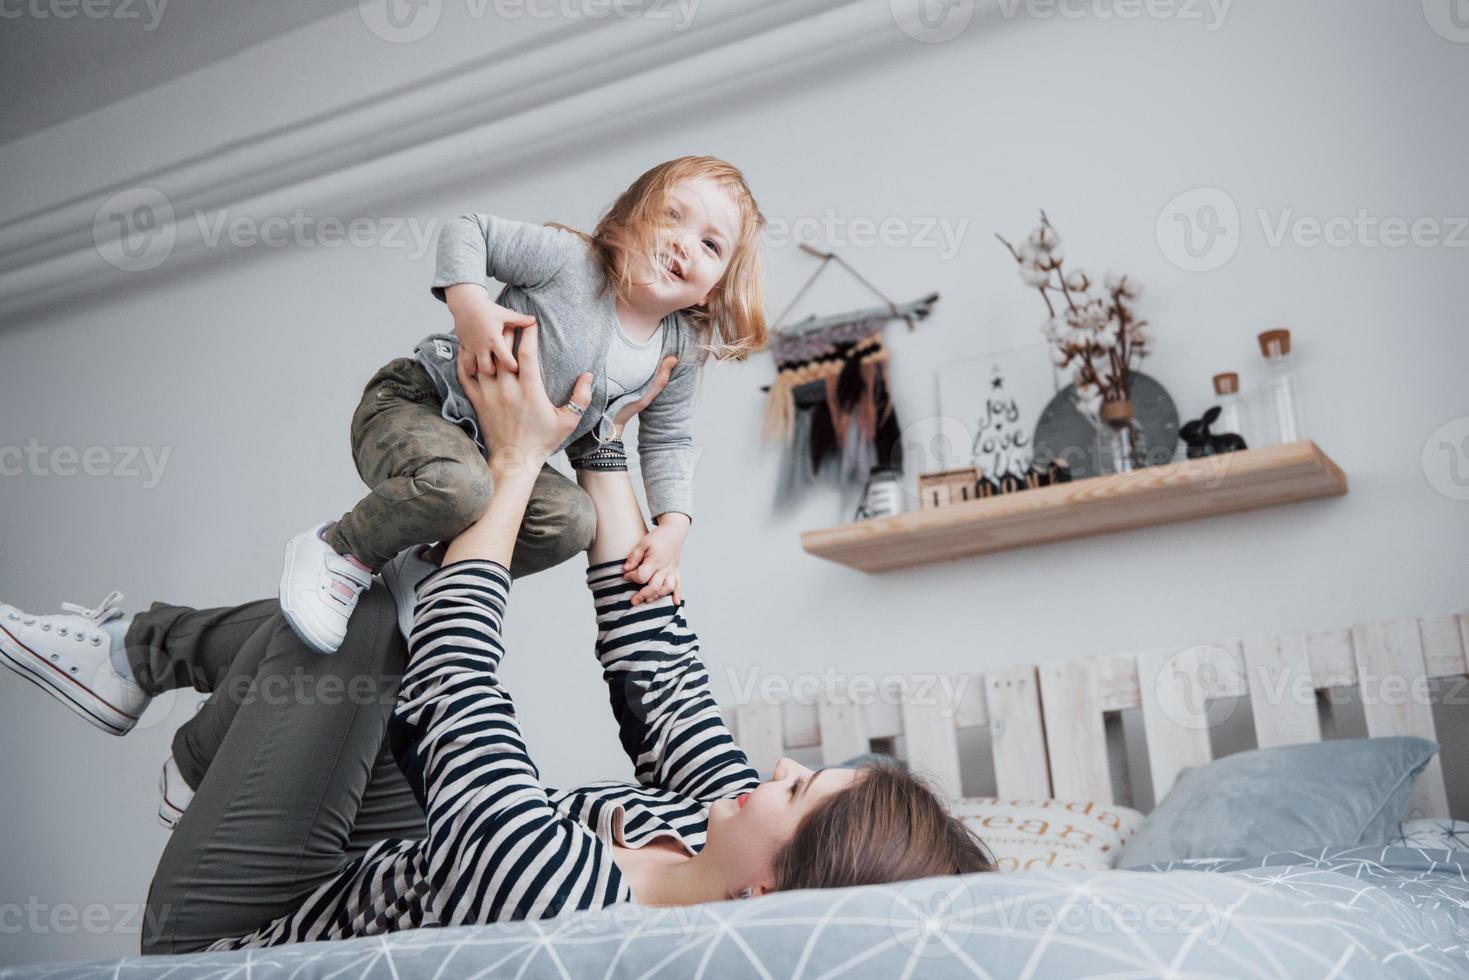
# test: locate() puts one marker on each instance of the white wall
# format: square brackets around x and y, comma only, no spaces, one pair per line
[247,368]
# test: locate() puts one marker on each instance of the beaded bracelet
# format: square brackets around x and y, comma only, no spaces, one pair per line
[610,456]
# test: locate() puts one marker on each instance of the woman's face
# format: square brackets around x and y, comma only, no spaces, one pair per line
[706,225]
[747,832]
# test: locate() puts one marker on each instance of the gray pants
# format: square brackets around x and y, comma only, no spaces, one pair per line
[429,482]
[292,772]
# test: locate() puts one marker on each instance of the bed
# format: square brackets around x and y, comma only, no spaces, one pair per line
[1393,906]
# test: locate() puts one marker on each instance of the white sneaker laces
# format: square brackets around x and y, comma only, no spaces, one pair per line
[107,610]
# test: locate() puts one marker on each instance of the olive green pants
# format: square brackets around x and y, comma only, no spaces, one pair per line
[292,771]
[429,482]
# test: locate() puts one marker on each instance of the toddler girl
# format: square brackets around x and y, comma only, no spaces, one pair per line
[671,274]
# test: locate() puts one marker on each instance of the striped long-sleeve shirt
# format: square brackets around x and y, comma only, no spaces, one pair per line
[500,846]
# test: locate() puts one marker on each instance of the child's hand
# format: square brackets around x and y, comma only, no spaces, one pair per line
[484,329]
[654,563]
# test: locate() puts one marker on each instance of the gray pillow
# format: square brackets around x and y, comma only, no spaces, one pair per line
[1348,791]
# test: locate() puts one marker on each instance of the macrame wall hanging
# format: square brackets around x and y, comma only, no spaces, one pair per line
[830,407]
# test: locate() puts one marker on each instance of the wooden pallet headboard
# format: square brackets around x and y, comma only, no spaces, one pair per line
[1046,722]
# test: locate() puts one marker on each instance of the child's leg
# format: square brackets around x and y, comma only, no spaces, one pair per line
[428,478]
[430,482]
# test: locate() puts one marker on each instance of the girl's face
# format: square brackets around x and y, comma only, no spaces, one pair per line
[706,225]
[747,832]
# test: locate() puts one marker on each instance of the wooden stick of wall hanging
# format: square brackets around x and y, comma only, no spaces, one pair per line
[830,407]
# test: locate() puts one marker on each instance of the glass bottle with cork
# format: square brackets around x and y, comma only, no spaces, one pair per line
[1280,389]
[1232,412]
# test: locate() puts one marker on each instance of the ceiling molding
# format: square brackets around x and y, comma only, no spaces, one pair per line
[578,80]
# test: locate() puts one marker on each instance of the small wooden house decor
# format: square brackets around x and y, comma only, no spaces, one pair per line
[956,486]
[947,487]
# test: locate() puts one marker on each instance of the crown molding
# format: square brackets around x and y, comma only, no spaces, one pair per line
[559,93]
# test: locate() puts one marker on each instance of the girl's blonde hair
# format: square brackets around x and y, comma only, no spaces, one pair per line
[732,326]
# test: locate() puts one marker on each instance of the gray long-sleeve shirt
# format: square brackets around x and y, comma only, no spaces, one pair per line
[553,275]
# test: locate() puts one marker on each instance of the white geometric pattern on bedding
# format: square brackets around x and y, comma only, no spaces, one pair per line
[1359,912]
[1431,834]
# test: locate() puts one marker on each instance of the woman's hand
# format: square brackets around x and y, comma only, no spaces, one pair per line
[660,381]
[521,428]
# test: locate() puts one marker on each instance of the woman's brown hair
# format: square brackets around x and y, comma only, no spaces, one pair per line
[732,326]
[888,826]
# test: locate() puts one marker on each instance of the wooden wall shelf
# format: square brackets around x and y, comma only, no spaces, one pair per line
[1097,505]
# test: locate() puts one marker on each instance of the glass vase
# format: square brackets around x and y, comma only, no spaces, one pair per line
[1121,435]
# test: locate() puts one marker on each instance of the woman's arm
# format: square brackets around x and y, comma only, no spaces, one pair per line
[496,847]
[668,722]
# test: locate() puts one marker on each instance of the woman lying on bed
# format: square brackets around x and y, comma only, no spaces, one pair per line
[303,827]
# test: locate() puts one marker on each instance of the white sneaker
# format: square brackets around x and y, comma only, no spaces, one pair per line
[69,656]
[319,590]
[402,576]
[174,794]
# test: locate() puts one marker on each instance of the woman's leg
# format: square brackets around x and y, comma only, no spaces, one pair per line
[277,810]
[170,647]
